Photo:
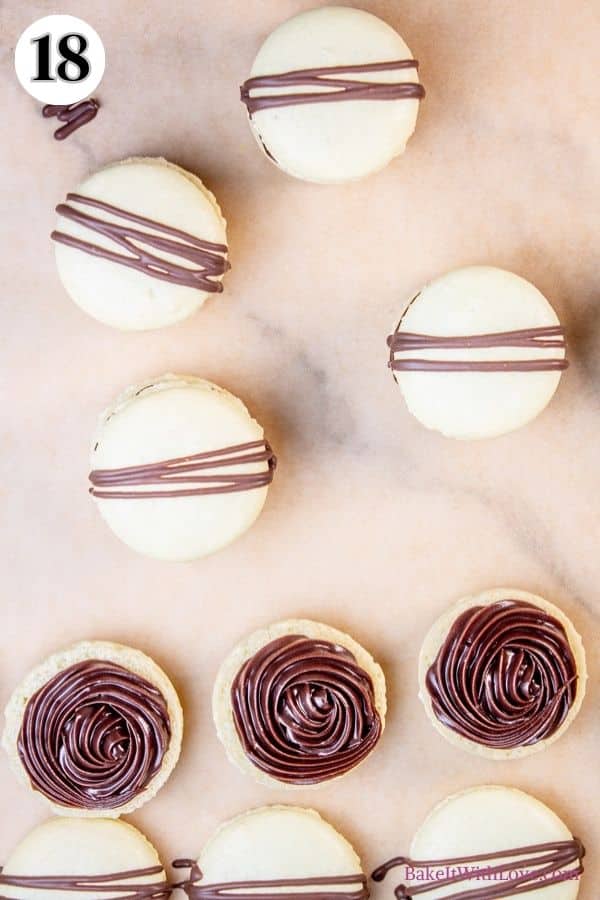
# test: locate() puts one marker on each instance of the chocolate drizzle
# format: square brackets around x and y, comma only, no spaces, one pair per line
[304,710]
[526,338]
[107,484]
[209,258]
[322,888]
[338,89]
[94,736]
[523,869]
[505,676]
[74,116]
[115,885]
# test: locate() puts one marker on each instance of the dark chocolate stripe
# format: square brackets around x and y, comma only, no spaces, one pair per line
[115,885]
[547,864]
[107,484]
[340,88]
[304,710]
[505,675]
[323,888]
[94,736]
[210,258]
[525,338]
[74,116]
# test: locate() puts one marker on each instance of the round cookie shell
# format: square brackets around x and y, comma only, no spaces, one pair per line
[168,417]
[472,405]
[116,294]
[337,141]
[92,847]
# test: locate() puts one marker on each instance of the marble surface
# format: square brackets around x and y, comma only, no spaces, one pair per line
[373,524]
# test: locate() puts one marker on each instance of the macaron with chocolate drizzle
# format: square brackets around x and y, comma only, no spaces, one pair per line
[95,729]
[84,858]
[275,852]
[140,244]
[179,468]
[502,674]
[299,704]
[486,843]
[478,352]
[333,95]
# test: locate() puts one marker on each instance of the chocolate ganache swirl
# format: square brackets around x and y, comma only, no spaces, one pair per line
[94,736]
[505,676]
[304,710]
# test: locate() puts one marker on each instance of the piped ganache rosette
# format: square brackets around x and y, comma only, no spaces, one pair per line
[502,674]
[299,703]
[80,858]
[95,729]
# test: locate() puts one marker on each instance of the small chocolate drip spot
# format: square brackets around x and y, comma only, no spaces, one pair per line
[527,338]
[324,887]
[74,116]
[121,888]
[210,258]
[505,676]
[525,869]
[107,484]
[304,710]
[339,89]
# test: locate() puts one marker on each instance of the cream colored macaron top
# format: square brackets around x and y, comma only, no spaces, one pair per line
[95,729]
[269,848]
[71,853]
[179,467]
[140,244]
[478,353]
[342,140]
[502,674]
[467,834]
[298,704]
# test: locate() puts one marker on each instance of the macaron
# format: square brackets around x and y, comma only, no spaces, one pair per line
[278,850]
[95,729]
[489,842]
[179,467]
[298,704]
[83,858]
[502,674]
[333,95]
[140,244]
[477,353]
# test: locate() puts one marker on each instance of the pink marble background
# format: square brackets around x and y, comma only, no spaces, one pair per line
[373,524]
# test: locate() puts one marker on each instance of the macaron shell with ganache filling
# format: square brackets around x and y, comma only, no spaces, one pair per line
[88,674]
[336,141]
[346,674]
[562,634]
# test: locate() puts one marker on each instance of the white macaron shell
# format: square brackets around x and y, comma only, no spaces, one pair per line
[484,820]
[471,405]
[339,141]
[277,842]
[65,846]
[116,294]
[171,419]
